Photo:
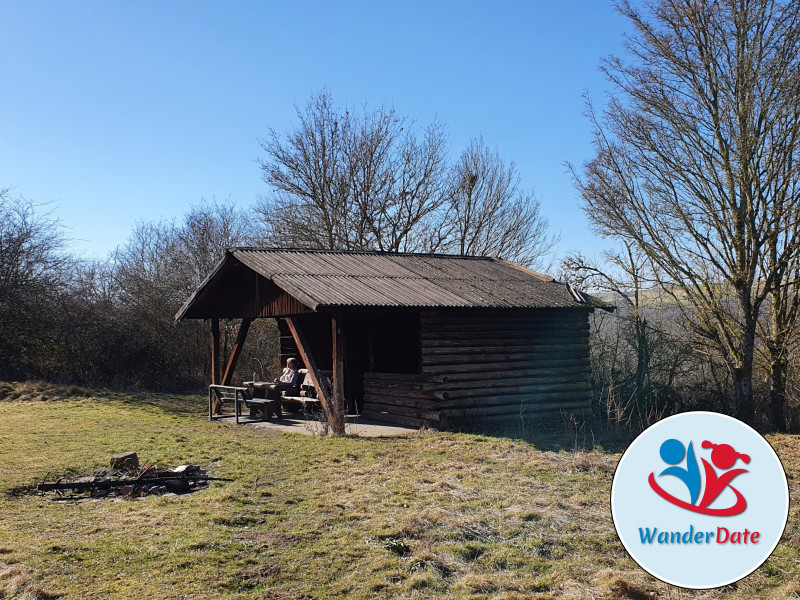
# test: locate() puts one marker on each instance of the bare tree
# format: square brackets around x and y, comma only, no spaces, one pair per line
[31,247]
[33,267]
[696,161]
[628,288]
[208,229]
[779,338]
[643,355]
[369,180]
[350,179]
[159,265]
[488,213]
[110,322]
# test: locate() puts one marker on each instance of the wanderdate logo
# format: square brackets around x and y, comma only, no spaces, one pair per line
[723,457]
[699,500]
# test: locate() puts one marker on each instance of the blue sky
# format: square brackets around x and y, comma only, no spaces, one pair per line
[115,112]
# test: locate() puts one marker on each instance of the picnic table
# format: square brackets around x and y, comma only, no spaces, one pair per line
[300,397]
[259,403]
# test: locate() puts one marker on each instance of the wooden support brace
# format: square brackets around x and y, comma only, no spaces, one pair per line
[237,350]
[308,359]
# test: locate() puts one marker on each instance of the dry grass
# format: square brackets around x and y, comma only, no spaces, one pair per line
[427,516]
[40,391]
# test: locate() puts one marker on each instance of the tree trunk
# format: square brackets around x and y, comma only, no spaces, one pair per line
[642,361]
[338,408]
[779,364]
[743,377]
[777,394]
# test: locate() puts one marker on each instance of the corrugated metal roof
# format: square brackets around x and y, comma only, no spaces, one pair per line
[323,278]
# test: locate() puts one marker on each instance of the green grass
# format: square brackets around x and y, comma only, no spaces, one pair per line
[426,516]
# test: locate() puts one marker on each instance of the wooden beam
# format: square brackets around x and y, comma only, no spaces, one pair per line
[215,378]
[337,336]
[237,350]
[308,359]
[371,343]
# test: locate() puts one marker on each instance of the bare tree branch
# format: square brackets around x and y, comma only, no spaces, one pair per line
[696,164]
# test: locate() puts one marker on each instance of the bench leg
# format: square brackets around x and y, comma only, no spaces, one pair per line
[272,409]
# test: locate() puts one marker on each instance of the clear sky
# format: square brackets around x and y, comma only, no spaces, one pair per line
[115,111]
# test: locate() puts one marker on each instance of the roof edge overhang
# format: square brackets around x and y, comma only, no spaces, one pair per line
[229,258]
[181,314]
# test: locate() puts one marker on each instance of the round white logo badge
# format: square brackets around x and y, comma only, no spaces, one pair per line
[700,500]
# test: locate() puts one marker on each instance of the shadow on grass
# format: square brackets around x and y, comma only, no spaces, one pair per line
[565,432]
[183,405]
[21,490]
[179,405]
[560,433]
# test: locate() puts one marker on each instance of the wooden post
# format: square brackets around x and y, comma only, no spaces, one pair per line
[215,378]
[337,335]
[308,359]
[237,350]
[371,343]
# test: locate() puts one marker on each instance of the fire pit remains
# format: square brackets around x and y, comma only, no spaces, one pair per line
[128,480]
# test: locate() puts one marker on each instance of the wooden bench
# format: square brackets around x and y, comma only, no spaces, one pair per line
[305,398]
[224,395]
[228,394]
[266,407]
[302,401]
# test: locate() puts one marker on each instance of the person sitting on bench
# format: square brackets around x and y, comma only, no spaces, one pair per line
[289,379]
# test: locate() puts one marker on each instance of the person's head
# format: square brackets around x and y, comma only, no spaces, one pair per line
[292,363]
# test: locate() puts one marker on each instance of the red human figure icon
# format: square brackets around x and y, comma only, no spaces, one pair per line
[724,457]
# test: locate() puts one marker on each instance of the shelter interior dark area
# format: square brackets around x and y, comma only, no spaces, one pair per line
[413,339]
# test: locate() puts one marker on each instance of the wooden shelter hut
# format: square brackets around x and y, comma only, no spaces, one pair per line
[413,339]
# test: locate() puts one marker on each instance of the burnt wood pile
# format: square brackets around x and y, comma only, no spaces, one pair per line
[129,481]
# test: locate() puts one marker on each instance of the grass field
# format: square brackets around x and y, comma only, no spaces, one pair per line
[430,515]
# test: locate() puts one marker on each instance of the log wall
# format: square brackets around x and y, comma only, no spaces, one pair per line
[404,399]
[490,364]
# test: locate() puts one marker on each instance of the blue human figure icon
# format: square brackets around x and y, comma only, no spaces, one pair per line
[672,452]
